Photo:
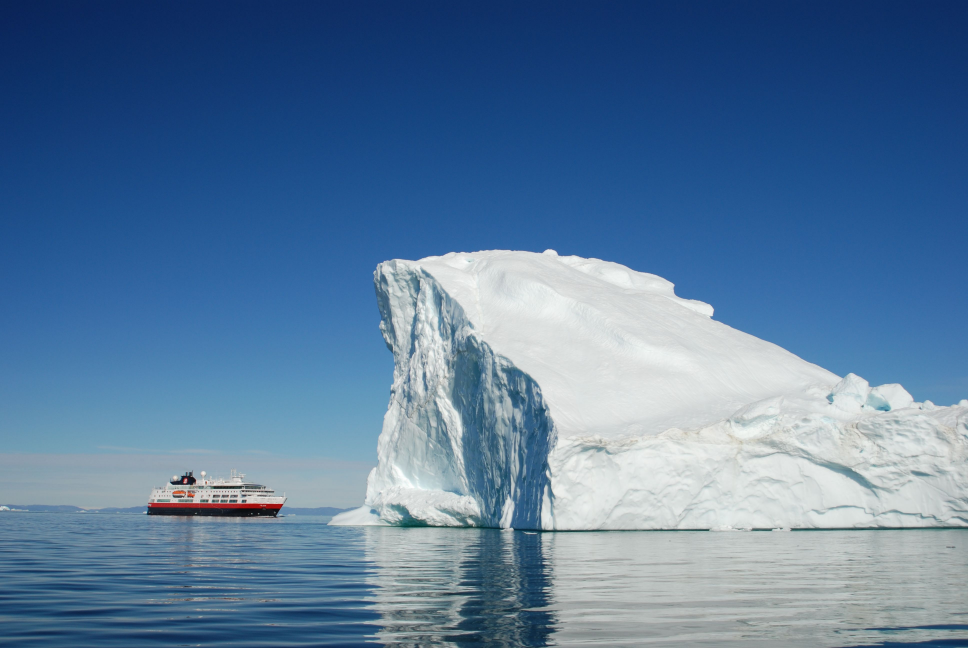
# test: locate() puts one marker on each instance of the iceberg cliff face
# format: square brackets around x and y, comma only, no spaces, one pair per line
[544,392]
[467,435]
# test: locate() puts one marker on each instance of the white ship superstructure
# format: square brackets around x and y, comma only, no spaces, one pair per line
[234,496]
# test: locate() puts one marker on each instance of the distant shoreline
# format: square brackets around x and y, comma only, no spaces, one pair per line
[63,508]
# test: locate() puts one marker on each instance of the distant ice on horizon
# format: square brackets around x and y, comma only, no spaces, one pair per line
[538,391]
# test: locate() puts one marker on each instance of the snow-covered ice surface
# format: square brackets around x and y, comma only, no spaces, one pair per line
[538,391]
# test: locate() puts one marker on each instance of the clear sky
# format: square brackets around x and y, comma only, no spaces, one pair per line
[193,197]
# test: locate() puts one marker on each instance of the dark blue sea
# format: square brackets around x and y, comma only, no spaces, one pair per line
[133,580]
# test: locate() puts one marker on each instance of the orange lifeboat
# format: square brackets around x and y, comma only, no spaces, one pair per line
[178,494]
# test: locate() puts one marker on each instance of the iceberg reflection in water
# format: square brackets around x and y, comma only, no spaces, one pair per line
[827,588]
[460,586]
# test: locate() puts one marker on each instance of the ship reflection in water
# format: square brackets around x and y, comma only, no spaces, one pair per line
[831,588]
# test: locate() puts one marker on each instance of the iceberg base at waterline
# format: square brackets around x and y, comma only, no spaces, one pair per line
[534,391]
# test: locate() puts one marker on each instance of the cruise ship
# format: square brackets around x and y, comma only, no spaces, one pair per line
[234,496]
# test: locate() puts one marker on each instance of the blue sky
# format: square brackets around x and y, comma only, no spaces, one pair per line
[193,197]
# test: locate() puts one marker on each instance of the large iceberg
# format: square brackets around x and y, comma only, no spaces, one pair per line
[537,391]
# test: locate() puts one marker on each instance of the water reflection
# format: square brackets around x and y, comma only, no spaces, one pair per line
[101,580]
[460,587]
[842,588]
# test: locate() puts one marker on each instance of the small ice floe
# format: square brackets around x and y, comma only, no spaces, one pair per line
[782,529]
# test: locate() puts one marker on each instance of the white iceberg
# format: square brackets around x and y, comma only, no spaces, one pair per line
[536,391]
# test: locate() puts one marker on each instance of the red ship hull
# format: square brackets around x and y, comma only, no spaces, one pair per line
[224,510]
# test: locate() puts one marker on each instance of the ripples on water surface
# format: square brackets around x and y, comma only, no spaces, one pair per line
[130,580]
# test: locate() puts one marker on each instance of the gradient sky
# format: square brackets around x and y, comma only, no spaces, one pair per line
[193,197]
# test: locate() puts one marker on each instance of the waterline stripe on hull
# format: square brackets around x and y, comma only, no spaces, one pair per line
[236,512]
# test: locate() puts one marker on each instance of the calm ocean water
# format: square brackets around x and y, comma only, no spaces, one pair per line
[133,580]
